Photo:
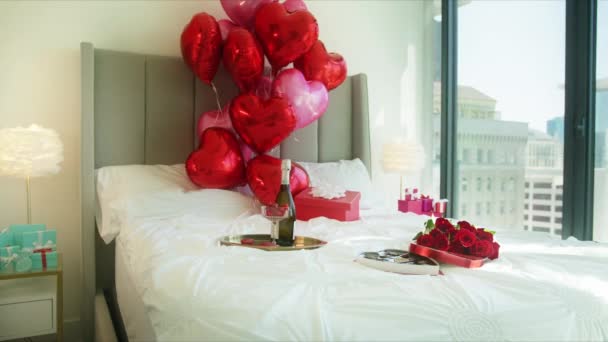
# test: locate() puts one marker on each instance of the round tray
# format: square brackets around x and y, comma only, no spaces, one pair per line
[300,242]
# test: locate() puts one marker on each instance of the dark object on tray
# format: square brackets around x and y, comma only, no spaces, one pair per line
[399,261]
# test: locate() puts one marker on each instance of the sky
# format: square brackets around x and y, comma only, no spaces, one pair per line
[514,51]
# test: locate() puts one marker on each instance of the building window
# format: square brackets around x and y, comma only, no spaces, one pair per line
[489,184]
[502,207]
[542,185]
[479,156]
[478,209]
[464,184]
[463,209]
[541,218]
[527,195]
[527,185]
[478,183]
[557,220]
[558,208]
[526,206]
[489,208]
[526,217]
[542,196]
[541,229]
[558,197]
[490,157]
[541,207]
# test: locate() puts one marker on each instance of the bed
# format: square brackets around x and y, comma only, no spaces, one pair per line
[165,278]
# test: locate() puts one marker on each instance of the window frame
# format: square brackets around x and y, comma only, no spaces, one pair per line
[579,114]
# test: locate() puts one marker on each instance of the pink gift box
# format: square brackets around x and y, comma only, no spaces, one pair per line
[341,209]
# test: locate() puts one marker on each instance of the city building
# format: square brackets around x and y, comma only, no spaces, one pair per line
[491,161]
[543,188]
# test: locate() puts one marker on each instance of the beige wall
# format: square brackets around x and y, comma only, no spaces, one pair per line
[40,82]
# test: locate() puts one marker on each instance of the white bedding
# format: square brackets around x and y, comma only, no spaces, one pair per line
[541,288]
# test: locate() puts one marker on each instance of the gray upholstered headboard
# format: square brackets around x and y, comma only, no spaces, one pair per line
[142,109]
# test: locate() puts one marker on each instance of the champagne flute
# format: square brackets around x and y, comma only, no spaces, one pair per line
[275,214]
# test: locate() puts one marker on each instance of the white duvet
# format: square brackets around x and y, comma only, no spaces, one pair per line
[541,288]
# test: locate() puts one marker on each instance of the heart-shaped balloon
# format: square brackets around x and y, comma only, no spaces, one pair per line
[213,118]
[216,118]
[218,162]
[308,99]
[243,58]
[242,12]
[264,178]
[294,5]
[264,88]
[317,64]
[285,36]
[262,124]
[225,27]
[201,43]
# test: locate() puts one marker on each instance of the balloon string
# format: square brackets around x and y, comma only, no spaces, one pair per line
[217,97]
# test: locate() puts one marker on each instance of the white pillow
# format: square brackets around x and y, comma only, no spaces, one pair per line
[119,183]
[349,174]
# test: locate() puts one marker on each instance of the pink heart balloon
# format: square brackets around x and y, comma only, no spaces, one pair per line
[215,118]
[309,99]
[264,88]
[242,12]
[225,27]
[295,5]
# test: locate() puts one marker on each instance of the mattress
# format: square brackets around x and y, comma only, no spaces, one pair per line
[132,309]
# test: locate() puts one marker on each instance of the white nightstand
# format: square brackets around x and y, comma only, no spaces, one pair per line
[31,303]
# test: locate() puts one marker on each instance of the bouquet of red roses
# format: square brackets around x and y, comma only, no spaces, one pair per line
[463,238]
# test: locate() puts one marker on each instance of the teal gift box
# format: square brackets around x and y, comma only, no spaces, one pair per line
[41,239]
[43,260]
[6,238]
[19,229]
[7,256]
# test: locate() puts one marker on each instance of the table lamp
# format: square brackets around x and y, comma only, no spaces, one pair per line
[29,152]
[402,158]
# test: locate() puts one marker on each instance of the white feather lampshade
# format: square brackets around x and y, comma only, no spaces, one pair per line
[29,152]
[402,158]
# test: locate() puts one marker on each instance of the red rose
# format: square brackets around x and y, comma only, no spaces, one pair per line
[426,240]
[443,224]
[441,241]
[495,247]
[467,226]
[457,248]
[465,238]
[482,248]
[452,233]
[483,235]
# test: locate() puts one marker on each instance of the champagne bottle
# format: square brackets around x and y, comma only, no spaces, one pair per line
[284,199]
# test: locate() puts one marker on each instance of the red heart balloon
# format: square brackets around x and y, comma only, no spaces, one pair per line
[264,178]
[218,162]
[243,58]
[262,124]
[201,43]
[317,64]
[285,36]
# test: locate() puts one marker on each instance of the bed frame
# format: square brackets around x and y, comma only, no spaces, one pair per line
[142,109]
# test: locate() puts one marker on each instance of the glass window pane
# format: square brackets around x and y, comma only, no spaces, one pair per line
[510,112]
[600,217]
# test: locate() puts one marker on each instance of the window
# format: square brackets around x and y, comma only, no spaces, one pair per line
[510,97]
[541,218]
[542,196]
[489,208]
[540,207]
[463,209]
[558,197]
[558,220]
[543,185]
[527,184]
[600,193]
[541,229]
[478,209]
[526,217]
[463,184]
